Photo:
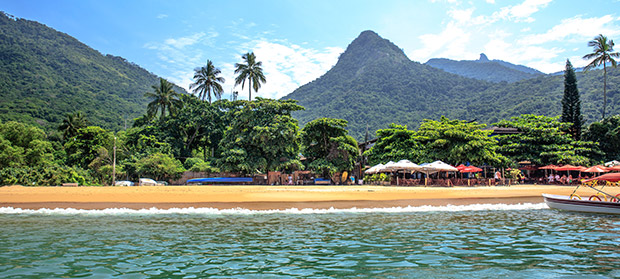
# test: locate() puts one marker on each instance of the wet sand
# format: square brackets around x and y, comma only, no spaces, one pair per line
[268,197]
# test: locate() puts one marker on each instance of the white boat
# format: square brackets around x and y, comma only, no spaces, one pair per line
[566,203]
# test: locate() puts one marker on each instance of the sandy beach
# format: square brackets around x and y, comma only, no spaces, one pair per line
[267,197]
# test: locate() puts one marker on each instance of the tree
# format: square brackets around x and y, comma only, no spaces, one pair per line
[85,146]
[24,146]
[250,70]
[459,141]
[328,147]
[542,141]
[394,144]
[571,104]
[160,166]
[607,134]
[262,136]
[71,124]
[603,54]
[164,98]
[207,81]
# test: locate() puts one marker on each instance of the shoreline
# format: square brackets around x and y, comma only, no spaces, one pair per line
[268,197]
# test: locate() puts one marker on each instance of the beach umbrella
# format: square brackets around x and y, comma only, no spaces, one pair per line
[611,177]
[471,169]
[373,169]
[549,167]
[614,168]
[460,167]
[441,166]
[596,169]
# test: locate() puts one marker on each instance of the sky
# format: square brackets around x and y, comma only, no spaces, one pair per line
[298,41]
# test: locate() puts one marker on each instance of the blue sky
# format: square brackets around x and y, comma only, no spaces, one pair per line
[298,41]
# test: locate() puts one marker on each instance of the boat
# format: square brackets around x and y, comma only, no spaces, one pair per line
[576,204]
[600,202]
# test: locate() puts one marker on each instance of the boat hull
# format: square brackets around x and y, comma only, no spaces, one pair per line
[565,203]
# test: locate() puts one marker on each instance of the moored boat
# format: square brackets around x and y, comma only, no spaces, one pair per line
[577,204]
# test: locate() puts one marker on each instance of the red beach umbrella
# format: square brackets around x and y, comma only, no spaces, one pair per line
[471,169]
[461,167]
[611,177]
[596,169]
[548,167]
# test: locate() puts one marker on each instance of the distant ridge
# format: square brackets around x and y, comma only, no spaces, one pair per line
[45,74]
[485,69]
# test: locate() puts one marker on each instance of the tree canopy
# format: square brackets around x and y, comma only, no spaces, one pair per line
[327,146]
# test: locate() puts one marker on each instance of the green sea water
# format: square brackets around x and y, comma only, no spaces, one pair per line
[432,243]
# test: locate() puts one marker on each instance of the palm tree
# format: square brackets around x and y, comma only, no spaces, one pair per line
[250,70]
[72,123]
[207,81]
[603,54]
[164,98]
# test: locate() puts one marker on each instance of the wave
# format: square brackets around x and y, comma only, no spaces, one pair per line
[243,211]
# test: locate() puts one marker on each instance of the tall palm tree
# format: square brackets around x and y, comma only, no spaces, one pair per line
[72,123]
[207,81]
[164,98]
[250,70]
[603,54]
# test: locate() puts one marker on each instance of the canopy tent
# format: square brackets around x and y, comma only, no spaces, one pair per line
[611,177]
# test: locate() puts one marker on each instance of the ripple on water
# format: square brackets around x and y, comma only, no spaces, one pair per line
[538,243]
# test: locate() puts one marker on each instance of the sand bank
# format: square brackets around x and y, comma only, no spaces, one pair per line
[266,197]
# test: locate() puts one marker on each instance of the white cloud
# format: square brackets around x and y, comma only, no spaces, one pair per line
[450,43]
[521,12]
[287,66]
[162,16]
[575,29]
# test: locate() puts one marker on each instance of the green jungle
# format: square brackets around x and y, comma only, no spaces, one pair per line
[70,114]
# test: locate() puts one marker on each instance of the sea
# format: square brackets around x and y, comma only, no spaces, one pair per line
[470,241]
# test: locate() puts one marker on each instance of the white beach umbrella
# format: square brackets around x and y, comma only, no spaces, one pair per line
[441,166]
[406,165]
[373,169]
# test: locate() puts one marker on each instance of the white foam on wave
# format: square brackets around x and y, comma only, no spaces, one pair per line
[243,211]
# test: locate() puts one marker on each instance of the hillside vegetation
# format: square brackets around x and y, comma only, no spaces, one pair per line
[374,84]
[45,74]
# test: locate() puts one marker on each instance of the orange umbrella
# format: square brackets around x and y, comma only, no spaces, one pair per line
[615,168]
[611,177]
[596,169]
[570,168]
[549,167]
[471,169]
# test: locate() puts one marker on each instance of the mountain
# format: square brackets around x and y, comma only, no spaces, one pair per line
[485,69]
[374,84]
[45,74]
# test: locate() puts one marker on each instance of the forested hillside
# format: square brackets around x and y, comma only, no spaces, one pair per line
[374,84]
[45,74]
[485,69]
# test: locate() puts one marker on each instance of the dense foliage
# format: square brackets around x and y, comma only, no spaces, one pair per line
[607,134]
[45,74]
[375,84]
[327,146]
[451,141]
[542,141]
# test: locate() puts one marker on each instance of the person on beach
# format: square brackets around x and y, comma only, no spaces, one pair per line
[557,178]
[550,179]
[498,177]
